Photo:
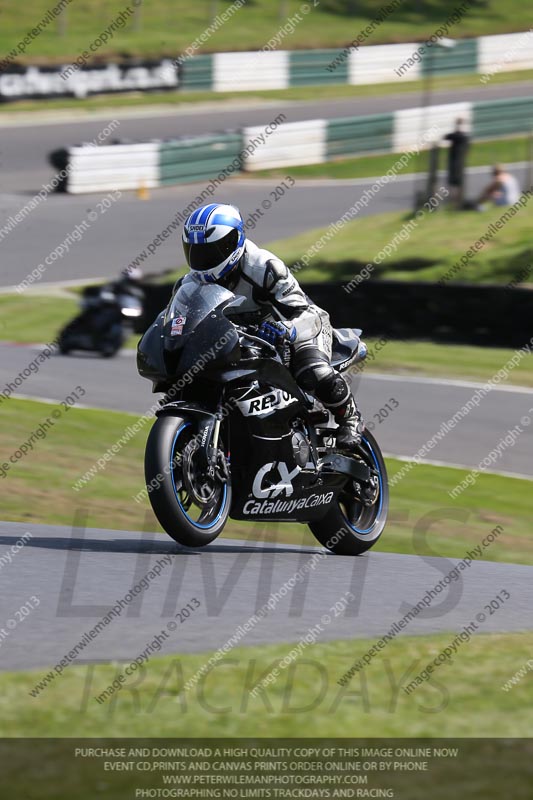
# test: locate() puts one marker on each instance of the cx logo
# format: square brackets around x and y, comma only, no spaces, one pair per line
[283,484]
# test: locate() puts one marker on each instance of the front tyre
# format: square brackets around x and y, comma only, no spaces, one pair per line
[350,527]
[191,506]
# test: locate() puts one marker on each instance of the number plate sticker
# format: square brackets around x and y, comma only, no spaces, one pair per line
[177,326]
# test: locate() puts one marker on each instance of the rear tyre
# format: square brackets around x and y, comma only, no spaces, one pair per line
[191,506]
[112,342]
[349,527]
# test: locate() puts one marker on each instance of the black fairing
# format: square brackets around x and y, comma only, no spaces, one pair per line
[266,429]
[269,411]
[191,335]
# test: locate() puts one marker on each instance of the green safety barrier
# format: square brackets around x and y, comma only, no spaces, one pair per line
[353,135]
[462,57]
[202,158]
[199,158]
[309,67]
[500,117]
[196,74]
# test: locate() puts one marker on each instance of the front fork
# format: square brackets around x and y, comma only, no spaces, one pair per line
[208,453]
[206,439]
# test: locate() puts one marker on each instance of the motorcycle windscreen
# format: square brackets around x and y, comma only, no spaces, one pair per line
[196,331]
[191,304]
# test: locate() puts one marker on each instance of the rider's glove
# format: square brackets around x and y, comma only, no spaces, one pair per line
[276,332]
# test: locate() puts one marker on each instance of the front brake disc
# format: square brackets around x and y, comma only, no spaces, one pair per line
[200,486]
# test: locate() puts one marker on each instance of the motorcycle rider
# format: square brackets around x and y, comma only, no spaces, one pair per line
[130,282]
[218,251]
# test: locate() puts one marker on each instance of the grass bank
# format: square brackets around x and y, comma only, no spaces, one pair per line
[422,250]
[449,361]
[165,27]
[459,699]
[52,312]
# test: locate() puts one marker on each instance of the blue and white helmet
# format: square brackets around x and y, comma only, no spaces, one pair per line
[213,241]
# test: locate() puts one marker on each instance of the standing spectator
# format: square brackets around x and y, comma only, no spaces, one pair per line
[459,144]
[503,190]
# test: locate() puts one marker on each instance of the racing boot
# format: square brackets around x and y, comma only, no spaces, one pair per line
[348,418]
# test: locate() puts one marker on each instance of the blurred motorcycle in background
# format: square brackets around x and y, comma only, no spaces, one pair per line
[108,315]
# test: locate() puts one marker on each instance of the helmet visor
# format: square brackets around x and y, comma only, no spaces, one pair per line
[211,254]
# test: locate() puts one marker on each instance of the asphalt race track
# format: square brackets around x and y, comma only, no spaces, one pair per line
[126,229]
[117,237]
[78,575]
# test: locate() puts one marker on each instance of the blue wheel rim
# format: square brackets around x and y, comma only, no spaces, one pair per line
[380,478]
[224,493]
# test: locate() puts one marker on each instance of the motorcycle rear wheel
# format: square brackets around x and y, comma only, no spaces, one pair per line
[187,521]
[349,528]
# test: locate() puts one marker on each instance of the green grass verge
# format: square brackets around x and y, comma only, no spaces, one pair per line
[460,699]
[480,154]
[335,91]
[448,361]
[425,252]
[38,488]
[52,312]
[165,27]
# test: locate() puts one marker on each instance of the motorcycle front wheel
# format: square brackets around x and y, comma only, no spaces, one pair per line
[350,527]
[190,505]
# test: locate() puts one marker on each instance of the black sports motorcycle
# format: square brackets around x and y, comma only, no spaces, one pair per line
[236,436]
[107,314]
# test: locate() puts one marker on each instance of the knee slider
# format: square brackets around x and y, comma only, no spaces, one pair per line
[333,389]
[307,380]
